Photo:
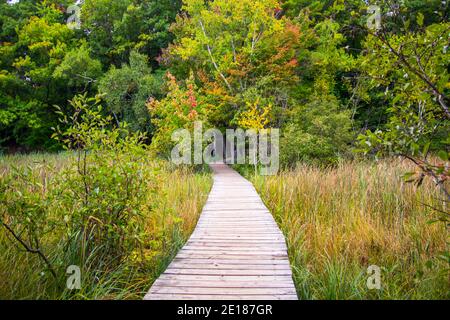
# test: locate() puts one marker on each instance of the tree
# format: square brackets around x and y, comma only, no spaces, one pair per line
[411,66]
[78,69]
[127,89]
[246,53]
[232,49]
[100,19]
[145,27]
[28,88]
[183,105]
[219,35]
[116,27]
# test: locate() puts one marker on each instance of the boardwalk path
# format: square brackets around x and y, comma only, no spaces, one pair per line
[235,252]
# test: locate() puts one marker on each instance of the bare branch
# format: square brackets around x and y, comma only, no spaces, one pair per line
[423,166]
[30,249]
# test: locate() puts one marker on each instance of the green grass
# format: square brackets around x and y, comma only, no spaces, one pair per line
[338,221]
[171,210]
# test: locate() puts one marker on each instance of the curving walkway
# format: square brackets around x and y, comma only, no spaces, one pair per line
[237,250]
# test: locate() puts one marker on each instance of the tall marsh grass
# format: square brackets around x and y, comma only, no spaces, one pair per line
[171,208]
[338,221]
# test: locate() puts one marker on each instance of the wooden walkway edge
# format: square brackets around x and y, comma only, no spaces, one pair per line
[236,252]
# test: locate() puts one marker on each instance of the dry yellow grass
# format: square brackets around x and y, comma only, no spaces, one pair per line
[340,220]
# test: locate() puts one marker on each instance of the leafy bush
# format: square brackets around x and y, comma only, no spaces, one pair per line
[78,69]
[106,187]
[25,212]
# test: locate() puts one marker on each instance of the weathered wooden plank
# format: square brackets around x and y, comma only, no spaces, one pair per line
[215,221]
[234,246]
[209,277]
[253,245]
[220,223]
[221,266]
[274,250]
[224,284]
[194,261]
[212,219]
[248,210]
[246,229]
[240,207]
[242,231]
[246,272]
[234,197]
[236,234]
[233,240]
[245,225]
[280,253]
[235,237]
[271,237]
[187,254]
[242,237]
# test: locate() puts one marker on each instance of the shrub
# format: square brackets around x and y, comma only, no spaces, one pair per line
[96,202]
[105,188]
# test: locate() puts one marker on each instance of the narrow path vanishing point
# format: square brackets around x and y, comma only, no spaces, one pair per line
[237,250]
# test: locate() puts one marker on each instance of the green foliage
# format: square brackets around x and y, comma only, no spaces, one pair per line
[97,199]
[127,89]
[40,199]
[43,62]
[118,26]
[319,131]
[28,88]
[145,27]
[231,49]
[78,69]
[101,18]
[25,213]
[311,68]
[45,44]
[13,17]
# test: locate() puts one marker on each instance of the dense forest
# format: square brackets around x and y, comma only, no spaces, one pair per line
[344,80]
[313,68]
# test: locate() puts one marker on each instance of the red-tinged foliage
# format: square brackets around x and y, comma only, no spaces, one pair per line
[277,58]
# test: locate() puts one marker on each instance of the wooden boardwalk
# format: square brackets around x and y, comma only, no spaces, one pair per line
[237,250]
